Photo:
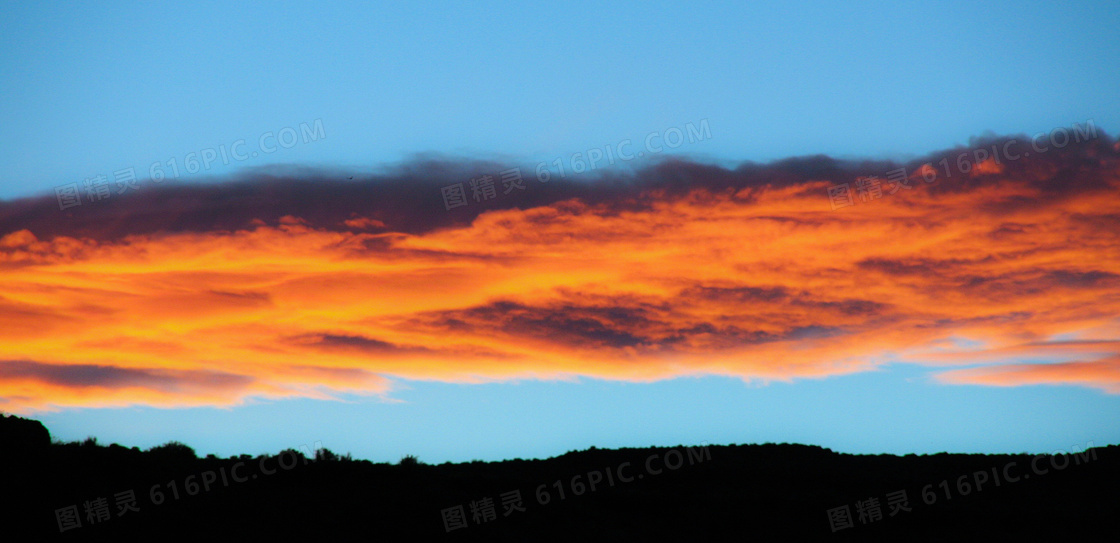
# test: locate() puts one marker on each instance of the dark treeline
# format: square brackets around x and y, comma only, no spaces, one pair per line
[84,491]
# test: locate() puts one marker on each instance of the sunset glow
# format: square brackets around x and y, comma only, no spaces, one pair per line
[747,274]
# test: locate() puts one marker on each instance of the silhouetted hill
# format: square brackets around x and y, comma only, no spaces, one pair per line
[23,435]
[742,492]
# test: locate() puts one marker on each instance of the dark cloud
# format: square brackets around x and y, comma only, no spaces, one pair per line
[750,297]
[347,341]
[567,324]
[649,325]
[408,198]
[1080,279]
[88,375]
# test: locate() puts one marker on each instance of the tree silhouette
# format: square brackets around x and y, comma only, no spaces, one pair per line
[768,491]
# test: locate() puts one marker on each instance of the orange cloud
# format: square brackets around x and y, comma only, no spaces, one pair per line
[1102,374]
[760,281]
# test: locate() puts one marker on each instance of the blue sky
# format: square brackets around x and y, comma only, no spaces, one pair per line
[895,411]
[95,88]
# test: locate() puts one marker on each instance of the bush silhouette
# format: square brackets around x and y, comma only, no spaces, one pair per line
[173,451]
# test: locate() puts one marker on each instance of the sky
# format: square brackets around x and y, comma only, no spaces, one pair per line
[493,230]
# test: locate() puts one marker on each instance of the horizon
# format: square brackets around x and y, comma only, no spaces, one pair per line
[313,450]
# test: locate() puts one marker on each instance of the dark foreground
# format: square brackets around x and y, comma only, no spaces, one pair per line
[87,492]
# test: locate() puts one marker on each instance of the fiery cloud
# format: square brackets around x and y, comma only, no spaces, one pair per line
[278,287]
